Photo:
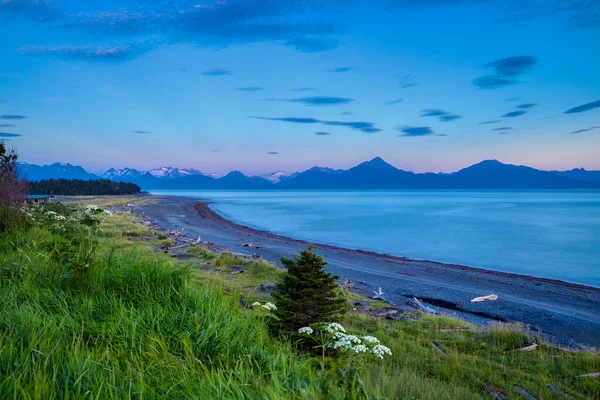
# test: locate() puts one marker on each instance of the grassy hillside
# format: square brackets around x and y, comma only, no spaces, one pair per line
[106,314]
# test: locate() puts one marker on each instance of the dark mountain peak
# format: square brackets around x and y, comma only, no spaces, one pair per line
[375,163]
[235,174]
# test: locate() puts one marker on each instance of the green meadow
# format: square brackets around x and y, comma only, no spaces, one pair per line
[95,309]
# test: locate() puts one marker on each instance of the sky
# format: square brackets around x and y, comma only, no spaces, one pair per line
[267,85]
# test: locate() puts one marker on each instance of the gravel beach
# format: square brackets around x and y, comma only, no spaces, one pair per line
[559,311]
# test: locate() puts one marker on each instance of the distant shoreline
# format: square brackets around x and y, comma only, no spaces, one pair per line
[559,311]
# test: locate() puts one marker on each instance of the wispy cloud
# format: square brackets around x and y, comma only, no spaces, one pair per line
[504,130]
[513,114]
[493,81]
[362,126]
[321,100]
[414,131]
[340,69]
[31,10]
[583,108]
[392,102]
[513,99]
[527,106]
[217,72]
[442,115]
[10,116]
[322,133]
[503,71]
[493,121]
[304,89]
[591,128]
[346,113]
[312,44]
[249,89]
[512,66]
[9,135]
[407,81]
[115,53]
[272,153]
[6,125]
[141,132]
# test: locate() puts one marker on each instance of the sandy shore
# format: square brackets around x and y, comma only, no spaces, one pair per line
[565,312]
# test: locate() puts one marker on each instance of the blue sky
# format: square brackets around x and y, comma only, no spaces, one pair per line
[268,85]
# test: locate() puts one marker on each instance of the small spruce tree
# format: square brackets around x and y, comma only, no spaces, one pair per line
[307,294]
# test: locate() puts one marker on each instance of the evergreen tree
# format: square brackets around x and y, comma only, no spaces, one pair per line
[307,294]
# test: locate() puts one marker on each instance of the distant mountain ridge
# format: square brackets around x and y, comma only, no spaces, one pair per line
[372,174]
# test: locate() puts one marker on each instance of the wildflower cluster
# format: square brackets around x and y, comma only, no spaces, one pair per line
[93,215]
[336,338]
[267,306]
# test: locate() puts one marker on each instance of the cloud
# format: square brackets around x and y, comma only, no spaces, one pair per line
[392,102]
[346,113]
[582,14]
[321,100]
[9,135]
[249,89]
[503,71]
[527,106]
[141,132]
[217,72]
[116,53]
[304,89]
[30,10]
[6,125]
[407,81]
[583,108]
[322,133]
[502,131]
[442,115]
[362,126]
[493,121]
[513,114]
[492,82]
[272,153]
[217,23]
[310,44]
[9,116]
[512,66]
[414,131]
[340,69]
[513,99]
[591,128]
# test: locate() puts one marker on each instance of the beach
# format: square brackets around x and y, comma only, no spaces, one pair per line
[566,313]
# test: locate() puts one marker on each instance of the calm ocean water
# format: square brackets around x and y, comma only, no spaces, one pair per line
[552,234]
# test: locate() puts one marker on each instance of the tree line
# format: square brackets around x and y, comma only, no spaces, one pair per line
[79,187]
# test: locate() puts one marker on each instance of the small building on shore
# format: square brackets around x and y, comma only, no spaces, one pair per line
[39,199]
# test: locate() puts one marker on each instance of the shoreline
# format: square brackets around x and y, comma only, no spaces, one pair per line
[204,205]
[563,312]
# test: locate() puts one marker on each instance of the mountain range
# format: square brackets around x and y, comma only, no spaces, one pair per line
[372,174]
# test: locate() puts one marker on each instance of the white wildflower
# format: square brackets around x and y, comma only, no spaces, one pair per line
[108,212]
[269,306]
[50,214]
[91,208]
[370,339]
[380,350]
[361,348]
[256,304]
[59,218]
[345,342]
[306,330]
[334,327]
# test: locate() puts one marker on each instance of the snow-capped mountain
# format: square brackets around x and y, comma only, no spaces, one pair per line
[276,176]
[170,172]
[161,173]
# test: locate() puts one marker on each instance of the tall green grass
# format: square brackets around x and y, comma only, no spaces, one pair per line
[131,327]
